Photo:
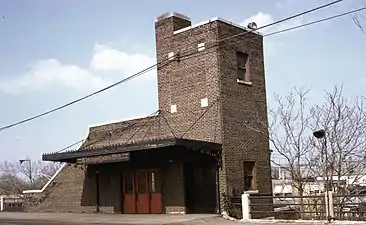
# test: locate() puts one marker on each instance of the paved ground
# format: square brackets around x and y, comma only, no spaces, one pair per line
[74,219]
[7,218]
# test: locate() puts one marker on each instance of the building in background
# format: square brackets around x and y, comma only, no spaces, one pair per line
[198,150]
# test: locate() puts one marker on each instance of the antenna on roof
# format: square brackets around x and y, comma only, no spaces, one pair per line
[252,26]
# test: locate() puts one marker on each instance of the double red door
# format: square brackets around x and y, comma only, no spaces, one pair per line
[142,192]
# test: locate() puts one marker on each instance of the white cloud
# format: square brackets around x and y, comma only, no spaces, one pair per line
[107,58]
[48,72]
[51,72]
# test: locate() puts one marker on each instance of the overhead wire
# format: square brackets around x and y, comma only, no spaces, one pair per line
[314,22]
[202,114]
[78,142]
[156,65]
[86,143]
[107,133]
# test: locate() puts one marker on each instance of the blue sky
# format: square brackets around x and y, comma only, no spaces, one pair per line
[52,52]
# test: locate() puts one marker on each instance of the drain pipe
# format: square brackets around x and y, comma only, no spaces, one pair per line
[97,187]
[218,206]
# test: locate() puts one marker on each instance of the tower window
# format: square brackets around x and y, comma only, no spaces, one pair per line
[242,62]
[248,167]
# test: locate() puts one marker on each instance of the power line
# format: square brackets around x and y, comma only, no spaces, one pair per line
[108,133]
[285,19]
[156,65]
[314,22]
[195,122]
[79,99]
[82,140]
[215,43]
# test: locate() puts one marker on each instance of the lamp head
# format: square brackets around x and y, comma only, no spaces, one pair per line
[319,134]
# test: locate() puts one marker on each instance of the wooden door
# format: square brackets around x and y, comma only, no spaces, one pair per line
[156,205]
[129,193]
[143,195]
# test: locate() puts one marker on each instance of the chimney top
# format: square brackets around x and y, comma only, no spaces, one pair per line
[173,14]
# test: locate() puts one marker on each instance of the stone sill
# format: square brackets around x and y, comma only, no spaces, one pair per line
[244,82]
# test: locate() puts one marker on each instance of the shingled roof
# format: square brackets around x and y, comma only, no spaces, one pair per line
[156,127]
[153,127]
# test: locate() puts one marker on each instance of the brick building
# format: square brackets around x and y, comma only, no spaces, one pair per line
[206,142]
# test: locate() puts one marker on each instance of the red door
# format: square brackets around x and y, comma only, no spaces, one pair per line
[143,192]
[156,205]
[129,198]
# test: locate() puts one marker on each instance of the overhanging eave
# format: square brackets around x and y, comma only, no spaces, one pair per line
[72,156]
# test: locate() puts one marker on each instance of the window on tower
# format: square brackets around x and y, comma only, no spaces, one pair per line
[242,63]
[249,181]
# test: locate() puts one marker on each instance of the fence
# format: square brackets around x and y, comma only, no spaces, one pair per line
[324,206]
[349,207]
[11,203]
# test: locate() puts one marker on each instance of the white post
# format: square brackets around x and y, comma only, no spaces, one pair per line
[331,204]
[1,203]
[245,205]
[326,195]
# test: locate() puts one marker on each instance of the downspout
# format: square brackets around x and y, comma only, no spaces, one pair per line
[217,190]
[97,187]
[221,122]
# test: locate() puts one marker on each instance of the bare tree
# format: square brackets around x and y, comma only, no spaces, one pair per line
[341,153]
[360,21]
[289,135]
[10,184]
[33,173]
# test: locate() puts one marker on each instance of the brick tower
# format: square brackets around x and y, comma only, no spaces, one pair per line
[224,81]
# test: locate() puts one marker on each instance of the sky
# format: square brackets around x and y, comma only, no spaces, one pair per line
[52,52]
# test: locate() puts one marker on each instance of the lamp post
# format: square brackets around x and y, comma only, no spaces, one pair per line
[30,169]
[320,134]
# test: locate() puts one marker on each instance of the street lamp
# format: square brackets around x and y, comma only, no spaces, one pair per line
[30,169]
[320,134]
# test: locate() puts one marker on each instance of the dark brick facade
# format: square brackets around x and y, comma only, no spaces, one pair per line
[241,109]
[232,117]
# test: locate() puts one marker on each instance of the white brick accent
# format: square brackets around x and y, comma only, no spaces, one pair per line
[201,46]
[249,83]
[204,102]
[171,55]
[173,108]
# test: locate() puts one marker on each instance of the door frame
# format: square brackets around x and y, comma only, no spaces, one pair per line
[156,195]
